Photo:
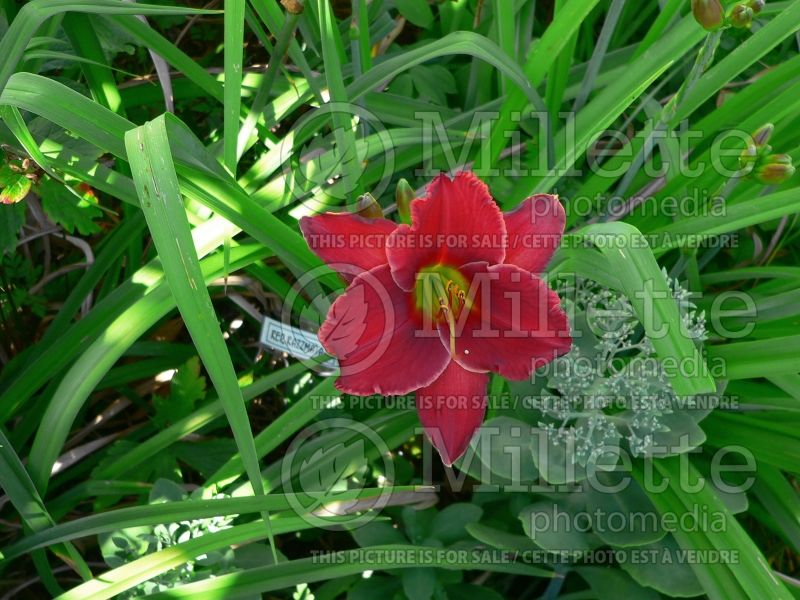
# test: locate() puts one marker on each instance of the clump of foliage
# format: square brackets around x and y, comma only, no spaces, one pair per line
[155,160]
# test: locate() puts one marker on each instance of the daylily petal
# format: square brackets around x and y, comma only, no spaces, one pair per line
[516,324]
[349,243]
[451,409]
[372,331]
[534,230]
[456,223]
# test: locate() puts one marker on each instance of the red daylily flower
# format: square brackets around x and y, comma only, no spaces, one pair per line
[439,304]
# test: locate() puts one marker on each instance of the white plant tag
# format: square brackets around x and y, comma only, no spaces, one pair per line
[293,341]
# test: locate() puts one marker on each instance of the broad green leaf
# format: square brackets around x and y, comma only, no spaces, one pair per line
[499,538]
[449,524]
[613,583]
[73,213]
[416,11]
[664,570]
[550,526]
[627,503]
[419,582]
[186,388]
[13,186]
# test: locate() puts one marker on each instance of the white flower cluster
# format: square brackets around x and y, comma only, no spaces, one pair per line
[610,386]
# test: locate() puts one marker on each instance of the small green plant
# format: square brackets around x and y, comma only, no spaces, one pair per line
[612,386]
[126,545]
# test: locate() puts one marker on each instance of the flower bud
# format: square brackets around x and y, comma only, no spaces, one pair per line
[741,16]
[404,194]
[368,207]
[294,7]
[756,5]
[762,134]
[709,13]
[776,169]
[748,158]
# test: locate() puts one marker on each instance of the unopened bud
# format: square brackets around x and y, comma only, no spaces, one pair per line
[368,207]
[776,169]
[709,13]
[748,158]
[294,7]
[762,134]
[741,16]
[403,195]
[757,5]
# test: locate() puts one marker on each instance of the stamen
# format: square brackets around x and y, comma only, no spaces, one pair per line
[451,323]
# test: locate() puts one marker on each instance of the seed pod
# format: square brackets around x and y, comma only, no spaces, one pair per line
[709,13]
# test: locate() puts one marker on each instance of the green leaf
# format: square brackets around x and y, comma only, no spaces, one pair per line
[157,185]
[551,527]
[12,216]
[542,56]
[555,460]
[630,504]
[66,209]
[419,583]
[206,456]
[474,592]
[417,12]
[23,495]
[13,186]
[612,583]
[376,586]
[33,14]
[166,490]
[7,174]
[642,281]
[378,533]
[234,48]
[169,512]
[666,571]
[498,538]
[341,564]
[433,82]
[503,447]
[751,576]
[449,524]
[131,574]
[186,388]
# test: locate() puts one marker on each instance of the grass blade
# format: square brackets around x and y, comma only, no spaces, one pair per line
[157,184]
